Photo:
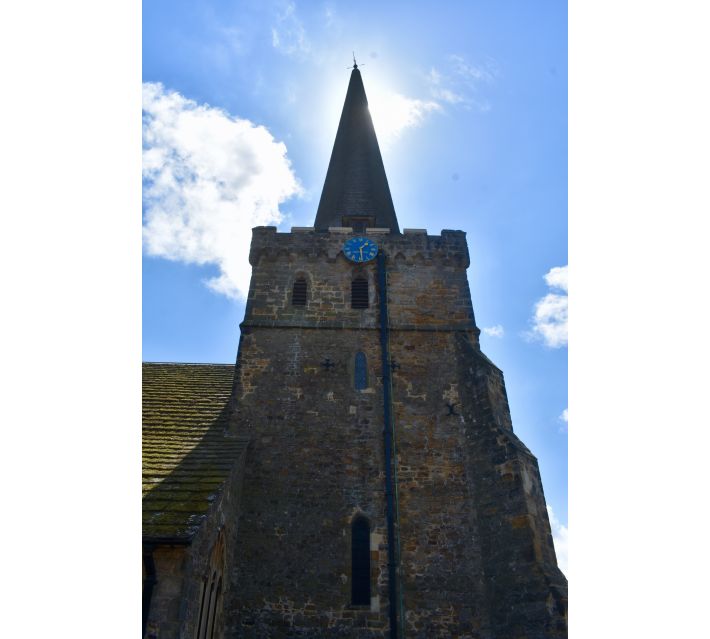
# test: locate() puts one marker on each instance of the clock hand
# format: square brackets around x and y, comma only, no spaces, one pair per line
[361,256]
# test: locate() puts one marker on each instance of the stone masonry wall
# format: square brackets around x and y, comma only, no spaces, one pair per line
[164,619]
[315,462]
[442,576]
[466,486]
[526,592]
[181,570]
[222,522]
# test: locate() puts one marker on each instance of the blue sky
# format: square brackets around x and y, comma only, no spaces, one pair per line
[469,101]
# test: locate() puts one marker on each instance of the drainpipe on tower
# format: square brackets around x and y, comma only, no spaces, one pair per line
[388,437]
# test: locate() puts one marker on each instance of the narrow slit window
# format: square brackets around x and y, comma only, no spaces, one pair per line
[202,607]
[360,371]
[361,562]
[300,292]
[211,599]
[211,608]
[206,609]
[359,293]
[217,606]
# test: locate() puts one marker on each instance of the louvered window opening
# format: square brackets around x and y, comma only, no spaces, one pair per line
[300,290]
[359,224]
[217,606]
[361,562]
[203,606]
[208,610]
[359,297]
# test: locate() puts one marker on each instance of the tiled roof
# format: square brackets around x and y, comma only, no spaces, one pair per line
[186,454]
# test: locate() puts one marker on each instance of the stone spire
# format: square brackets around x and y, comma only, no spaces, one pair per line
[356,190]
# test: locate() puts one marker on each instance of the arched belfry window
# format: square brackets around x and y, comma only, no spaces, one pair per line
[360,371]
[300,292]
[361,562]
[359,293]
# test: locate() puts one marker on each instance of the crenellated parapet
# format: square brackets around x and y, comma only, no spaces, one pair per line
[428,288]
[414,246]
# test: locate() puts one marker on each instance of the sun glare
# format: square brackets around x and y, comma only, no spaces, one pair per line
[392,112]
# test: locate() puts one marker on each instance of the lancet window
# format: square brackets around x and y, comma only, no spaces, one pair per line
[361,562]
[300,292]
[360,371]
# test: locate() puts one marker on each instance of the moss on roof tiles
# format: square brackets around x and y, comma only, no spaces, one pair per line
[186,454]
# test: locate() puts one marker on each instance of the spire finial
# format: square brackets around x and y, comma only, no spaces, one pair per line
[355,63]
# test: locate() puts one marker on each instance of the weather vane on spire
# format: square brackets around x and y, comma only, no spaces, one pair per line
[355,63]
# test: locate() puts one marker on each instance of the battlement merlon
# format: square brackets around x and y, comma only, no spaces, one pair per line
[427,281]
[449,248]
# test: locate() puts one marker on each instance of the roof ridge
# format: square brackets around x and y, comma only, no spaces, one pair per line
[191,363]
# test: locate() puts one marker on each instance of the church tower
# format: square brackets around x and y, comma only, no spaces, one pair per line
[384,491]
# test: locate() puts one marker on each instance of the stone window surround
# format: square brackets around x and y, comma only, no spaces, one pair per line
[300,274]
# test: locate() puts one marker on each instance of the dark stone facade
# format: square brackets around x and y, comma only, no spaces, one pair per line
[474,541]
[192,478]
[182,569]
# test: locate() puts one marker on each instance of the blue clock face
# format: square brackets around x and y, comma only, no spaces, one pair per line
[360,249]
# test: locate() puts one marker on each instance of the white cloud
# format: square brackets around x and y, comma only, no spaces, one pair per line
[460,81]
[494,331]
[439,92]
[564,418]
[560,536]
[392,113]
[329,15]
[474,73]
[447,95]
[209,178]
[557,277]
[288,35]
[550,315]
